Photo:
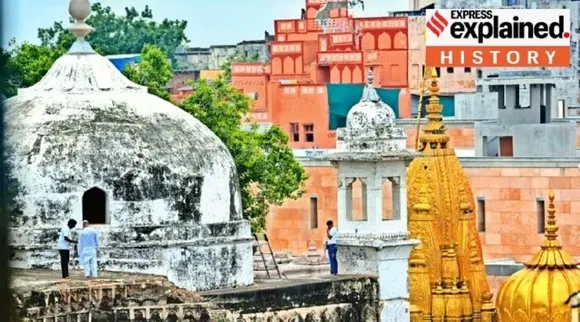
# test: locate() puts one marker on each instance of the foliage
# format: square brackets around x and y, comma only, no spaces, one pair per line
[25,65]
[154,71]
[356,3]
[115,34]
[238,57]
[266,166]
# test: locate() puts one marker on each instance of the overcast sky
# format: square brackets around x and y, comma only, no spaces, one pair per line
[210,22]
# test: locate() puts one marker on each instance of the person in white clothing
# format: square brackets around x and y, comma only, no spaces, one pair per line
[332,247]
[64,243]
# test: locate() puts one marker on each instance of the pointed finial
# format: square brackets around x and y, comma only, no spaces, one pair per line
[369,92]
[434,132]
[80,10]
[551,228]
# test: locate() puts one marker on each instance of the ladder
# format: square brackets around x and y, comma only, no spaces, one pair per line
[261,240]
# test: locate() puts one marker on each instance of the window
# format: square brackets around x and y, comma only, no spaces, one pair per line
[309,132]
[294,132]
[467,70]
[313,212]
[356,200]
[479,88]
[95,206]
[481,214]
[541,209]
[437,70]
[450,70]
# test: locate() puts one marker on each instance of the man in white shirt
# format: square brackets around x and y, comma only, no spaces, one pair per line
[64,243]
[332,247]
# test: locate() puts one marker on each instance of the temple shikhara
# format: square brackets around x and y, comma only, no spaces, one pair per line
[448,281]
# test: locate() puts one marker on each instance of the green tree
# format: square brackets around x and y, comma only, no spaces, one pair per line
[356,3]
[153,71]
[120,34]
[239,57]
[267,169]
[25,65]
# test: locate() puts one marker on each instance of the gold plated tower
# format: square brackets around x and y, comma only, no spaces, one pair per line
[539,292]
[447,274]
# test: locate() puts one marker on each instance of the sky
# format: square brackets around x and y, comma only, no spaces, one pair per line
[210,22]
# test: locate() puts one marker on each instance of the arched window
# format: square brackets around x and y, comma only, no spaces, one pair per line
[95,206]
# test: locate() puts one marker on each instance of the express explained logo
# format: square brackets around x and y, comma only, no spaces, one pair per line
[484,24]
[437,24]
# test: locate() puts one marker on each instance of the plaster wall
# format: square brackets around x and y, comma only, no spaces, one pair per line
[303,104]
[510,189]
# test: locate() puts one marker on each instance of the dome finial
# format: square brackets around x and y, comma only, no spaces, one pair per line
[80,10]
[369,92]
[551,228]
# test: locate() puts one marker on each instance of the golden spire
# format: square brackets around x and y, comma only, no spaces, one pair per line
[434,131]
[551,254]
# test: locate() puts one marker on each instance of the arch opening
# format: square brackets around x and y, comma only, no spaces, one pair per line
[95,206]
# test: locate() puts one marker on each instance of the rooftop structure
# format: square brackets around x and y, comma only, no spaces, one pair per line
[79,145]
[525,126]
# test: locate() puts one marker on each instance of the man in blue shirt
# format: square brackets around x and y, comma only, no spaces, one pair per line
[64,243]
[332,247]
[87,249]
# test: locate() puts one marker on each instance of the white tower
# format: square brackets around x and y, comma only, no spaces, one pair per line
[371,149]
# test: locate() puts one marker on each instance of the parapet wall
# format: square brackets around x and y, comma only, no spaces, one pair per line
[352,299]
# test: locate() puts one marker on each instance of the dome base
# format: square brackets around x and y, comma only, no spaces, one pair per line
[194,257]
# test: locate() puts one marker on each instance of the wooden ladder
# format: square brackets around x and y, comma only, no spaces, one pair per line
[261,240]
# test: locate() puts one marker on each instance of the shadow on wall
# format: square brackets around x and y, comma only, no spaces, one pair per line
[342,97]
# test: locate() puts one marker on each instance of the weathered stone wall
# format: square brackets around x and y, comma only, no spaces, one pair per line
[351,299]
[194,257]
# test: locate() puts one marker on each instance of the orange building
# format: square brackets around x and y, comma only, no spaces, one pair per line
[309,53]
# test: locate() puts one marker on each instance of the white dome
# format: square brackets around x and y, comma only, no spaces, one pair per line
[85,125]
[370,114]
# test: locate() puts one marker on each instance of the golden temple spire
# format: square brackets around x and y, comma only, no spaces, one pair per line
[551,254]
[434,132]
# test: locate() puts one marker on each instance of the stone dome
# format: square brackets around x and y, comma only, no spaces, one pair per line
[371,111]
[85,125]
[539,292]
[370,125]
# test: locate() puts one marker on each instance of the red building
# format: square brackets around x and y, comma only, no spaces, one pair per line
[328,46]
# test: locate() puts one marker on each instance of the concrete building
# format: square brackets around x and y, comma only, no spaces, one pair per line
[525,126]
[79,145]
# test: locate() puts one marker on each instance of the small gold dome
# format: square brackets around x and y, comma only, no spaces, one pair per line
[538,293]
